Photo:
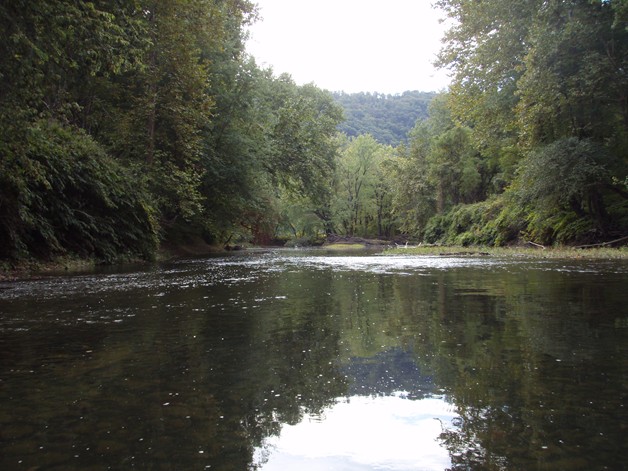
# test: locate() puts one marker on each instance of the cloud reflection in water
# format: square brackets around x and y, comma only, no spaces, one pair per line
[364,433]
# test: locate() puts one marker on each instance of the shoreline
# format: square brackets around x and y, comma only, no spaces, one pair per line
[32,269]
[565,252]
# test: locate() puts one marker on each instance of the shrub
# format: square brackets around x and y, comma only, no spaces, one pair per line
[62,194]
[490,222]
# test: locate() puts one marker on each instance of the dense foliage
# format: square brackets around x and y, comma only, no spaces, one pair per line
[125,124]
[387,118]
[538,124]
[530,142]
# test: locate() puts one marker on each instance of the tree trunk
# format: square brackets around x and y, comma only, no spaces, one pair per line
[598,210]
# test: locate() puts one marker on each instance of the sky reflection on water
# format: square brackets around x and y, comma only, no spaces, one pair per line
[364,433]
[296,360]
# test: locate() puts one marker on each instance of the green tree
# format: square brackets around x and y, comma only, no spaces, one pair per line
[52,48]
[565,207]
[414,200]
[383,195]
[573,118]
[441,169]
[62,194]
[303,147]
[485,50]
[236,142]
[169,106]
[574,82]
[528,77]
[361,194]
[270,146]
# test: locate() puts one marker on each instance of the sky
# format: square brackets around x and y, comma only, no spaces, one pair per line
[351,45]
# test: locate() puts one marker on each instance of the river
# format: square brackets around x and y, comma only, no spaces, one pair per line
[310,360]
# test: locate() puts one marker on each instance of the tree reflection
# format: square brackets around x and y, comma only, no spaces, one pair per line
[203,370]
[533,388]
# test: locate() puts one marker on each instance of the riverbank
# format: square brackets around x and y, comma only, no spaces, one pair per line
[515,251]
[528,250]
[28,269]
[34,268]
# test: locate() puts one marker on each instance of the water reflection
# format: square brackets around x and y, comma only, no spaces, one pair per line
[364,433]
[232,362]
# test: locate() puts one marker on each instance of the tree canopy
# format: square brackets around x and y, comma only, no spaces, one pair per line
[388,118]
[127,124]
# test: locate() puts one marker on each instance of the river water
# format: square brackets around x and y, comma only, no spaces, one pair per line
[309,360]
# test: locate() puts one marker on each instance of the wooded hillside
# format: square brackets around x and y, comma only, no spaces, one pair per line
[388,118]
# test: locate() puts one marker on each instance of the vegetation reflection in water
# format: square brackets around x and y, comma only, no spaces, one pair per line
[230,363]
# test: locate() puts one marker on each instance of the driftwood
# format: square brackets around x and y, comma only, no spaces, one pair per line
[601,244]
[535,244]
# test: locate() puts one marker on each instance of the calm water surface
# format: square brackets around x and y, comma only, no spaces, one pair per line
[305,360]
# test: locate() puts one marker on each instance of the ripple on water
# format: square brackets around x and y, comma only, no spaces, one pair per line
[398,264]
[187,274]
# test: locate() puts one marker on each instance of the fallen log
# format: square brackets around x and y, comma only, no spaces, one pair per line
[601,244]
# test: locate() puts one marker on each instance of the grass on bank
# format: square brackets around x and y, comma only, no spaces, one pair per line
[344,246]
[519,251]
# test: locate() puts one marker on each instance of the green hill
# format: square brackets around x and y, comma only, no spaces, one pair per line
[388,118]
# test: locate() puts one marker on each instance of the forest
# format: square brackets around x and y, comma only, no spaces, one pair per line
[129,125]
[388,118]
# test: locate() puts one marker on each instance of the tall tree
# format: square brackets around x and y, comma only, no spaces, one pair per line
[531,76]
[360,186]
[171,105]
[485,50]
[573,111]
[303,144]
[574,82]
[441,168]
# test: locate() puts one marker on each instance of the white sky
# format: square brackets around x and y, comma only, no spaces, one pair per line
[351,45]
